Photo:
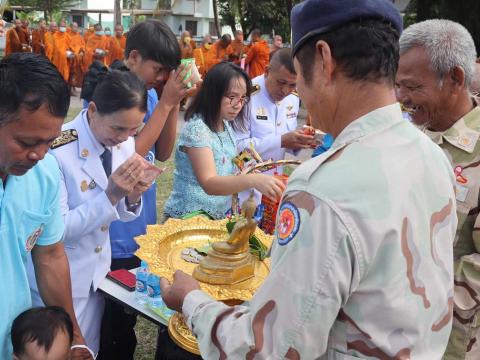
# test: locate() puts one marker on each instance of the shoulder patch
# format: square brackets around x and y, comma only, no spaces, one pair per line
[295,93]
[255,89]
[288,223]
[66,137]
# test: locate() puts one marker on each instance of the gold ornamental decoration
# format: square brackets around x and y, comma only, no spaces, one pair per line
[162,245]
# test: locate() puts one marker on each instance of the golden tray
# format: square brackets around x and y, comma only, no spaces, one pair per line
[161,248]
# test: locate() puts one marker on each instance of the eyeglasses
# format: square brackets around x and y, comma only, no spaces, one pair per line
[236,100]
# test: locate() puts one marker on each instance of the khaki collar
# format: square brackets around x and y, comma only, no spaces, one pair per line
[463,135]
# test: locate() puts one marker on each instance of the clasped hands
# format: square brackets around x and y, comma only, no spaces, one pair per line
[131,179]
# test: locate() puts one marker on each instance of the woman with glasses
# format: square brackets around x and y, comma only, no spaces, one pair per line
[204,175]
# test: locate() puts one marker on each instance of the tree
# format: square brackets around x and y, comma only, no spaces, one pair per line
[49,7]
[464,12]
[117,13]
[215,16]
[267,15]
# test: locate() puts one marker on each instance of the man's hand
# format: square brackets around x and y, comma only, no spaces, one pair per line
[123,180]
[174,294]
[296,139]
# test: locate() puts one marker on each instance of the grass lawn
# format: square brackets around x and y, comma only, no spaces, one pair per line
[145,330]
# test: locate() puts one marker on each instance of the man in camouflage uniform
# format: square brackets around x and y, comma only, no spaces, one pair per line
[362,265]
[435,85]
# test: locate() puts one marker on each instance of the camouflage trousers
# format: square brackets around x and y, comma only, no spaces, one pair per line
[464,341]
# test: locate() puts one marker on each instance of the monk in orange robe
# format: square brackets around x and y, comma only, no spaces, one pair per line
[117,45]
[38,38]
[204,56]
[96,47]
[49,40]
[222,49]
[88,33]
[239,48]
[25,35]
[258,56]
[115,52]
[62,52]
[187,45]
[14,39]
[77,66]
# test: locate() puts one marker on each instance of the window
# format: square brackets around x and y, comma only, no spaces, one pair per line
[78,19]
[211,29]
[191,27]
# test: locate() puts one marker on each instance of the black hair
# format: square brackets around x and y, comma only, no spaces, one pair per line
[154,40]
[282,57]
[29,81]
[226,38]
[365,50]
[120,90]
[95,74]
[40,325]
[208,101]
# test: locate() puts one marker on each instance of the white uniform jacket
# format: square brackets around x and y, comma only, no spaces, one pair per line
[85,207]
[267,121]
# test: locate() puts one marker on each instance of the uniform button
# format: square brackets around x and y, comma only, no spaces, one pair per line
[279,123]
[104,228]
[98,249]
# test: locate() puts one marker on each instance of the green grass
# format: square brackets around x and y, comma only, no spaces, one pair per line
[145,330]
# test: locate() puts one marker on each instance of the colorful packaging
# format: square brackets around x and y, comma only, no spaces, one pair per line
[270,209]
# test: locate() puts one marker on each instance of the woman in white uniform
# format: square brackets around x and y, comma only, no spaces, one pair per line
[102,182]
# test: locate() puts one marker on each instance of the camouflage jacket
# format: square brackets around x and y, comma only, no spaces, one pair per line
[462,146]
[362,262]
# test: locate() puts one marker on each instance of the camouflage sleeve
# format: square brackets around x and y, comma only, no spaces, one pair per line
[315,267]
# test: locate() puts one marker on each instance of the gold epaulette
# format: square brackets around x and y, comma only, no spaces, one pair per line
[295,93]
[66,137]
[255,89]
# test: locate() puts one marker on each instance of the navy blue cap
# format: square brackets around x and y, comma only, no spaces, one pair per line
[313,17]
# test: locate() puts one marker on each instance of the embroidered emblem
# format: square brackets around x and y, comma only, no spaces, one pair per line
[66,137]
[262,113]
[289,107]
[288,223]
[32,239]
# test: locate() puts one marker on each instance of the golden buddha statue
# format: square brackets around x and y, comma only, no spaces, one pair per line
[230,261]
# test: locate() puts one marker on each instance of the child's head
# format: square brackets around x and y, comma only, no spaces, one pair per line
[41,333]
[152,51]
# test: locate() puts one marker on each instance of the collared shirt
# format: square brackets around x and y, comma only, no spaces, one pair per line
[122,235]
[462,146]
[29,215]
[362,262]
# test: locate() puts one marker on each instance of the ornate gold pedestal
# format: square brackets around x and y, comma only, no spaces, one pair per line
[162,246]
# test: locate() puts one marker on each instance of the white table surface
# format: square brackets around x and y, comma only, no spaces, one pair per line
[127,298]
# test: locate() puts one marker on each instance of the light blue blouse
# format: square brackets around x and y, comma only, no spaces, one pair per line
[187,195]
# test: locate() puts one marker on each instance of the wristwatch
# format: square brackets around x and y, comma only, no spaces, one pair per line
[133,206]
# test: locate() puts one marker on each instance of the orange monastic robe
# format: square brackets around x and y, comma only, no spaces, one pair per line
[77,64]
[257,58]
[204,59]
[49,45]
[88,34]
[13,42]
[93,43]
[221,53]
[38,41]
[60,60]
[117,48]
[239,49]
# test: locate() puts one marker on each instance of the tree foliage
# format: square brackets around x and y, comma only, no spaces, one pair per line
[50,7]
[464,12]
[267,15]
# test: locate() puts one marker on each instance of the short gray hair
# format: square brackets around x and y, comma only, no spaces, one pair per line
[447,43]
